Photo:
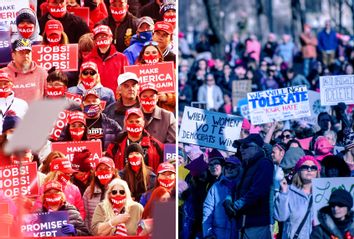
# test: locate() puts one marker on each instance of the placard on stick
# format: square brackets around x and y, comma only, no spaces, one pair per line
[336,89]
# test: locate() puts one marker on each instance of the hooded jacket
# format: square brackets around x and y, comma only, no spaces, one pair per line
[12,103]
[133,51]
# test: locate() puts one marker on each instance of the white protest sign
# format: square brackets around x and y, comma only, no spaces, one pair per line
[323,187]
[8,9]
[209,129]
[278,105]
[336,89]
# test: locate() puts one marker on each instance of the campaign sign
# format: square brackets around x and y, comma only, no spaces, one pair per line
[18,180]
[69,148]
[161,74]
[240,88]
[209,129]
[169,152]
[8,9]
[44,224]
[63,57]
[5,45]
[83,12]
[278,105]
[336,89]
[323,187]
[74,97]
[5,228]
[60,124]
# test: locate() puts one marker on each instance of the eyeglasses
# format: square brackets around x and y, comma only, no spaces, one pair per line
[151,43]
[92,73]
[308,168]
[121,192]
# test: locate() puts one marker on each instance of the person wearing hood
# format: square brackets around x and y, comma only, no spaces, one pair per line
[110,62]
[90,80]
[27,26]
[142,36]
[322,148]
[336,219]
[29,79]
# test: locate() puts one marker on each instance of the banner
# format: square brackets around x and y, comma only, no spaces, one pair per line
[69,148]
[45,224]
[18,180]
[169,152]
[5,227]
[83,12]
[8,9]
[63,57]
[323,187]
[278,105]
[74,97]
[209,129]
[161,74]
[336,89]
[240,88]
[5,45]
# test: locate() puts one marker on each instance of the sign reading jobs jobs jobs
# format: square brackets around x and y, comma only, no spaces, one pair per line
[209,129]
[279,104]
[336,89]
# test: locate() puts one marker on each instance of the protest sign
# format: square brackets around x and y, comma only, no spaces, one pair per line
[323,187]
[69,148]
[45,224]
[5,227]
[161,74]
[59,124]
[18,180]
[5,45]
[169,152]
[240,88]
[336,89]
[242,108]
[209,129]
[279,104]
[83,12]
[74,97]
[8,9]
[63,57]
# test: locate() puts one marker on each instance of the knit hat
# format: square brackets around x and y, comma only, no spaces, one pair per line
[306,158]
[322,146]
[291,157]
[81,161]
[246,125]
[10,122]
[232,160]
[134,147]
[197,166]
[341,197]
[168,6]
[252,138]
[26,14]
[215,154]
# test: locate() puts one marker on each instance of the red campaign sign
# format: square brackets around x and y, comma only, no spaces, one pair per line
[60,124]
[69,148]
[5,228]
[161,74]
[74,97]
[18,180]
[83,12]
[63,57]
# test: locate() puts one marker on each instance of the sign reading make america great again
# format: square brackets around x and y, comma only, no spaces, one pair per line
[209,129]
[278,105]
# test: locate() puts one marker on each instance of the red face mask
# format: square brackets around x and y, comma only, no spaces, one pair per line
[77,133]
[52,200]
[54,39]
[134,130]
[135,163]
[148,104]
[57,12]
[26,31]
[118,13]
[5,91]
[166,183]
[103,43]
[83,178]
[88,82]
[118,201]
[170,19]
[55,92]
[104,176]
[64,179]
[151,59]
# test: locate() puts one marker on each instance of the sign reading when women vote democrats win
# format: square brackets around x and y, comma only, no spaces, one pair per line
[279,104]
[209,129]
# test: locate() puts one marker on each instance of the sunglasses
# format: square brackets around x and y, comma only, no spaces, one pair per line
[92,73]
[121,192]
[288,136]
[151,43]
[308,168]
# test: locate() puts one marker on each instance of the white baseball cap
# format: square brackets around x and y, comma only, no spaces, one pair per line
[127,76]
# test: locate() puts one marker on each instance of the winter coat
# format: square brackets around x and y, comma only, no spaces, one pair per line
[28,86]
[328,227]
[110,67]
[290,208]
[153,150]
[286,51]
[327,42]
[217,96]
[116,111]
[152,10]
[104,93]
[12,103]
[133,51]
[91,203]
[309,44]
[215,220]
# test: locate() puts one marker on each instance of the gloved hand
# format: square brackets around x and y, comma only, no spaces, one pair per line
[229,207]
[69,229]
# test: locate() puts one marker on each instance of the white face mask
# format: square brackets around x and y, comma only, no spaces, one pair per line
[9,136]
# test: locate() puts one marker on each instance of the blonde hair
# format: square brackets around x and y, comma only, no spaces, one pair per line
[45,167]
[52,176]
[297,181]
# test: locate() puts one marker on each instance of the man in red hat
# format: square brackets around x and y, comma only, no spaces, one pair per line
[163,36]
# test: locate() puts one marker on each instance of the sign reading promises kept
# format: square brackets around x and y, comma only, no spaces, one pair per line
[336,89]
[161,74]
[209,129]
[279,104]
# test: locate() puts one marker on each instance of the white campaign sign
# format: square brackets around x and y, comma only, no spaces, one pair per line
[336,89]
[8,9]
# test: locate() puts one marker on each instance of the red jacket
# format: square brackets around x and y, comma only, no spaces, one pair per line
[153,151]
[109,68]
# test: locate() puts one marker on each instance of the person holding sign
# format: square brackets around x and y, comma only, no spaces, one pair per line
[159,122]
[54,34]
[336,219]
[27,26]
[54,199]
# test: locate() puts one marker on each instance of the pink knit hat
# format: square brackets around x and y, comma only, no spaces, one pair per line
[306,158]
[322,145]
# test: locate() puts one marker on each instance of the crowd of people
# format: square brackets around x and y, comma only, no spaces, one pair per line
[131,120]
[265,190]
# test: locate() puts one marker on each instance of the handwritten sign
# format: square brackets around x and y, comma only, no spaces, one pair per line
[210,129]
[63,57]
[335,89]
[19,180]
[46,224]
[240,88]
[279,104]
[161,74]
[323,187]
[8,9]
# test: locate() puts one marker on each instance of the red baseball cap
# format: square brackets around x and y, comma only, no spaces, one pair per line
[5,76]
[164,26]
[107,161]
[165,167]
[90,92]
[102,29]
[89,65]
[131,111]
[53,26]
[62,165]
[52,185]
[77,116]
[147,86]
